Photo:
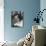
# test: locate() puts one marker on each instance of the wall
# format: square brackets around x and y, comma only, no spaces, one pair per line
[29,7]
[43,6]
[1,21]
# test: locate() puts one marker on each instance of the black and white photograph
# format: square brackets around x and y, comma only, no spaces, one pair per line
[17,18]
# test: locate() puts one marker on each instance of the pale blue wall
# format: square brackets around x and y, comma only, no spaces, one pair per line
[43,6]
[29,7]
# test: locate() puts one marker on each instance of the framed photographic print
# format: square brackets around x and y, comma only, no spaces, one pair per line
[17,18]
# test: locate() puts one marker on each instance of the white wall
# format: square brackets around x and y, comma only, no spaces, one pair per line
[1,20]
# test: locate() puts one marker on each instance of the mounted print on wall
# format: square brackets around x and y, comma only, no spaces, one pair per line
[17,18]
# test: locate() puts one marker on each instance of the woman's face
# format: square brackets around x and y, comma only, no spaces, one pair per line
[16,19]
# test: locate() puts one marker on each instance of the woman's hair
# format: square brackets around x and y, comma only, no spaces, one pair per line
[19,15]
